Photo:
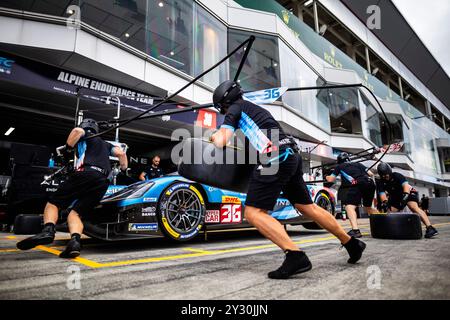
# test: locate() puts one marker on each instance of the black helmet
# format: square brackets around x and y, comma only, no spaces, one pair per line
[225,94]
[89,125]
[343,157]
[384,169]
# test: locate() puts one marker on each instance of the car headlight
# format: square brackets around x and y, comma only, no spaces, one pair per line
[132,192]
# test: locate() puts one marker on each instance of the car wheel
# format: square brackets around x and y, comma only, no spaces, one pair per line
[181,211]
[323,201]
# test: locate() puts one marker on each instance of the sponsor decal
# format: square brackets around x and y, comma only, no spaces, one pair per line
[230,213]
[206,119]
[112,190]
[149,212]
[212,216]
[228,199]
[283,202]
[175,187]
[142,227]
[330,57]
[265,96]
[191,234]
[6,65]
[150,199]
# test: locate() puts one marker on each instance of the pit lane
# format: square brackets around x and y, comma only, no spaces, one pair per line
[230,265]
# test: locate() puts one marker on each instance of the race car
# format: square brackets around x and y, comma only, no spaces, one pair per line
[179,209]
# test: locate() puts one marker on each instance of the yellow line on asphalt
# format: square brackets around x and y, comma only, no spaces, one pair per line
[197,250]
[84,261]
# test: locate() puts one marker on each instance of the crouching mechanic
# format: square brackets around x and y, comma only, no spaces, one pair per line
[83,189]
[264,189]
[401,194]
[360,187]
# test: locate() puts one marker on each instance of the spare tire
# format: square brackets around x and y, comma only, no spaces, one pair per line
[405,226]
[220,174]
[28,224]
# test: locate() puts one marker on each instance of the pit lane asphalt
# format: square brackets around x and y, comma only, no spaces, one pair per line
[230,265]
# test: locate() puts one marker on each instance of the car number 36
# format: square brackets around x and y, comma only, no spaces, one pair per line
[230,213]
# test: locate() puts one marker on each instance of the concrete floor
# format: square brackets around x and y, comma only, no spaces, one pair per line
[230,265]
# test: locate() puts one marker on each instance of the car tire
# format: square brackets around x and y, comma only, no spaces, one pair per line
[28,224]
[406,226]
[181,211]
[322,200]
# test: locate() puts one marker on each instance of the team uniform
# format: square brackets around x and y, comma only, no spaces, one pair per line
[259,127]
[153,173]
[394,189]
[361,186]
[85,187]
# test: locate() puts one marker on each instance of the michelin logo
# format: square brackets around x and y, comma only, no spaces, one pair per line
[142,227]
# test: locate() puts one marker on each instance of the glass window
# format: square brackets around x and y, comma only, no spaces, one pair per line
[210,43]
[261,69]
[372,122]
[50,7]
[295,73]
[400,131]
[345,116]
[169,32]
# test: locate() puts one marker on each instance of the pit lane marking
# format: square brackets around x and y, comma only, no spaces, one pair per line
[199,253]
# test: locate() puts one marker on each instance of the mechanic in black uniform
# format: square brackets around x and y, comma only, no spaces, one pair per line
[401,194]
[264,189]
[152,172]
[83,189]
[360,187]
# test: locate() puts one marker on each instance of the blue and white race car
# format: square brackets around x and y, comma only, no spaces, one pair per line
[179,209]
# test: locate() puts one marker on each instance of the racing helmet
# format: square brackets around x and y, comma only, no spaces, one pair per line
[225,94]
[343,157]
[89,125]
[384,169]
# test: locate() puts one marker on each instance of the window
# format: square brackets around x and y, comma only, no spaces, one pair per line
[295,73]
[169,33]
[344,110]
[400,131]
[372,121]
[210,43]
[261,69]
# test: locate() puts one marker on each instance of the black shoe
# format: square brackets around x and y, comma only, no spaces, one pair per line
[431,232]
[294,262]
[355,249]
[72,250]
[355,233]
[45,237]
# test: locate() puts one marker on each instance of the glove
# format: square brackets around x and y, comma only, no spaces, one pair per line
[384,206]
[404,199]
[67,154]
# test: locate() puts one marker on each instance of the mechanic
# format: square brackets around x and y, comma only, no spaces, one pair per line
[152,172]
[401,194]
[264,189]
[360,186]
[82,190]
[424,203]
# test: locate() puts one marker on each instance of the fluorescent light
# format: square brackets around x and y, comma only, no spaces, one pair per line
[7,133]
[308,3]
[407,96]
[127,35]
[161,4]
[375,71]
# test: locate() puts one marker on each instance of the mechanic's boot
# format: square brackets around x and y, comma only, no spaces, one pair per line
[73,248]
[431,232]
[355,249]
[294,262]
[45,237]
[355,233]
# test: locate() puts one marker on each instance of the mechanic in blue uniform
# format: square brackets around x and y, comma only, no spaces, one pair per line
[82,190]
[359,185]
[264,189]
[396,193]
[152,172]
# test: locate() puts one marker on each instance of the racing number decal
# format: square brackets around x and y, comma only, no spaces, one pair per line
[230,213]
